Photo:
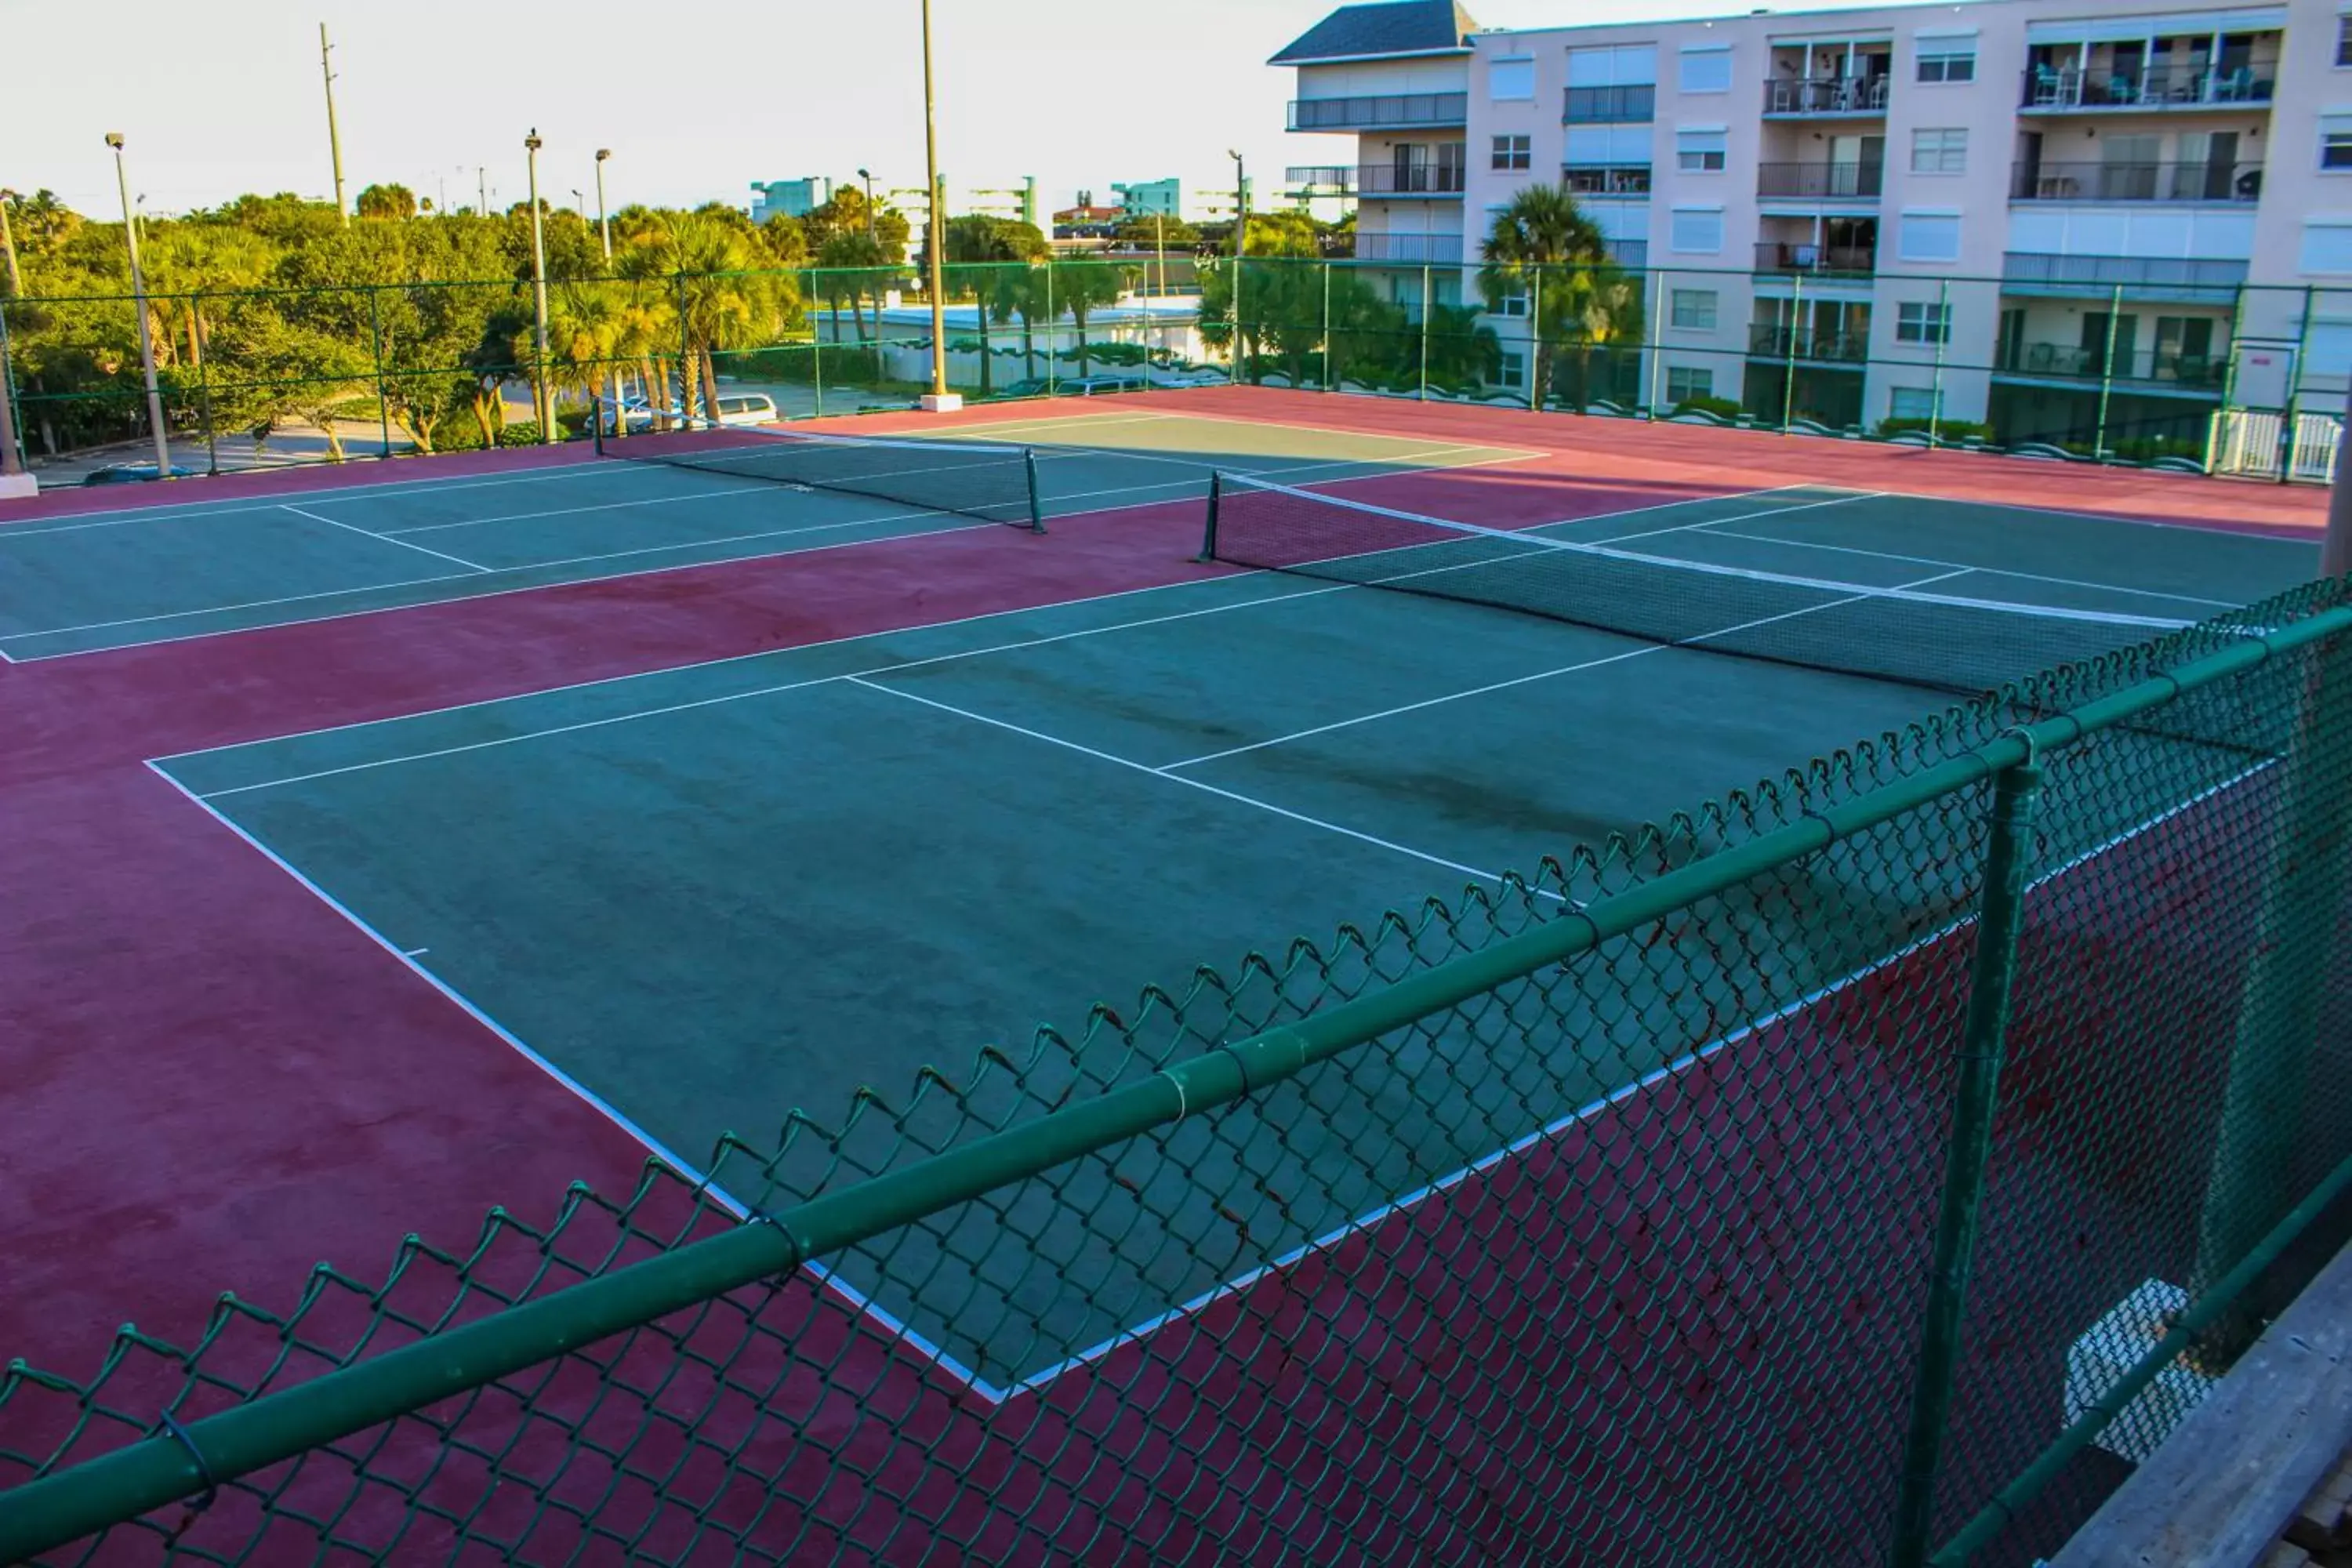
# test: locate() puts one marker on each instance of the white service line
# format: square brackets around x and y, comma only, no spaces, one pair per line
[383,538]
[1549,674]
[1989,571]
[1491,877]
[197,511]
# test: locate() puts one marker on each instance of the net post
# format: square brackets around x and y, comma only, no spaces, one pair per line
[1209,533]
[1037,507]
[2008,865]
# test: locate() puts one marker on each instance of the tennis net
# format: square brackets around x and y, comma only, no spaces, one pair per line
[1904,633]
[991,481]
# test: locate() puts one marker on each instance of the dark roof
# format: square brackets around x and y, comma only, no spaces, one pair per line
[1396,27]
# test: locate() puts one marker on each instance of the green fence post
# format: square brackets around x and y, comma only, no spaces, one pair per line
[1427,305]
[2009,859]
[1036,505]
[2107,372]
[1209,533]
[1537,388]
[1328,380]
[203,387]
[383,403]
[1053,327]
[1943,342]
[1788,363]
[685,361]
[2290,434]
[1654,331]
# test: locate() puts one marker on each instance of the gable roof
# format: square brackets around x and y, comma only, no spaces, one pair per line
[1392,28]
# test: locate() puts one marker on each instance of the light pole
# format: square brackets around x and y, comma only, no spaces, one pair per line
[545,405]
[867,175]
[1241,248]
[579,201]
[603,224]
[8,244]
[938,401]
[139,308]
[334,141]
[481,192]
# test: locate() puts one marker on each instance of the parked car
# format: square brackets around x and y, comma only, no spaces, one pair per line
[133,474]
[1101,385]
[747,408]
[630,414]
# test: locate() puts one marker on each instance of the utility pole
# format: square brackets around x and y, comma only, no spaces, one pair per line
[1241,248]
[603,224]
[541,401]
[139,308]
[9,244]
[334,141]
[938,401]
[14,482]
[481,193]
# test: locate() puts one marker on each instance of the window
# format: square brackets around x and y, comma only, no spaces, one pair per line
[1931,237]
[1621,65]
[1948,60]
[1511,305]
[1686,382]
[1693,309]
[1513,152]
[2335,142]
[2344,41]
[1911,403]
[1697,231]
[1699,151]
[1706,68]
[1515,367]
[1511,81]
[1923,322]
[2326,247]
[2327,348]
[1940,152]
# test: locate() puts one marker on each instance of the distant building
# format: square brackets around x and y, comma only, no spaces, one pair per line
[789,198]
[1087,220]
[1151,198]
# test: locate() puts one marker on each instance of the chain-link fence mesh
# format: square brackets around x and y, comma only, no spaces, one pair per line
[1622,1212]
[2157,364]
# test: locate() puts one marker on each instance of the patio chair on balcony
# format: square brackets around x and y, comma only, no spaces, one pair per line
[1802,257]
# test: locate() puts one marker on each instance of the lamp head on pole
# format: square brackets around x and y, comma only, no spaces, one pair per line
[602,153]
[114,140]
[531,143]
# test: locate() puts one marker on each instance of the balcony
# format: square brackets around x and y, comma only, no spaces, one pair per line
[2138,276]
[1821,181]
[1781,258]
[1430,250]
[1419,180]
[1632,254]
[1611,106]
[1607,179]
[2051,90]
[2167,368]
[1813,97]
[1321,179]
[1770,341]
[2215,181]
[1385,111]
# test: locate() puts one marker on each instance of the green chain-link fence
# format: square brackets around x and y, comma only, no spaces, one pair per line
[1749,1190]
[2090,358]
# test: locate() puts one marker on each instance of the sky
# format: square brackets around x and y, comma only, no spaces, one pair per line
[697,101]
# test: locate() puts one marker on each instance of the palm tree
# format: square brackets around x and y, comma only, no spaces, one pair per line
[1026,293]
[721,299]
[1080,289]
[979,250]
[1544,246]
[586,324]
[851,262]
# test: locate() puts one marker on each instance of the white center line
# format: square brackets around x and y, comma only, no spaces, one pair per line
[383,538]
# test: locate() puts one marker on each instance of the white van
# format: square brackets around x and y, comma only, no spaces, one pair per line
[747,408]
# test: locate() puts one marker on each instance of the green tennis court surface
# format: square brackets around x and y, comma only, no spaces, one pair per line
[681,890]
[93,582]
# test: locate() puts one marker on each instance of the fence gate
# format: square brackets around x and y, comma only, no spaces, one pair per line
[2253,442]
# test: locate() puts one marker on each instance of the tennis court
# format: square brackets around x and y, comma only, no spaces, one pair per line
[700,897]
[92,581]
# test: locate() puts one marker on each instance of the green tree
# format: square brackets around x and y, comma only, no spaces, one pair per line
[849,265]
[1543,246]
[723,299]
[1081,287]
[1148,234]
[980,251]
[393,202]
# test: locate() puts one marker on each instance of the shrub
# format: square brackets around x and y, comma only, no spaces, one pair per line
[522,433]
[1724,408]
[1946,429]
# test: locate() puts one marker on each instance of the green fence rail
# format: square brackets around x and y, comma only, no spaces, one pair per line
[2147,363]
[1741,1190]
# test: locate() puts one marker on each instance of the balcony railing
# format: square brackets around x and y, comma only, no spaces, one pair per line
[1807,342]
[1387,109]
[1436,249]
[1611,105]
[1424,180]
[1804,95]
[1816,260]
[1827,181]
[2044,272]
[2203,373]
[1607,179]
[2048,182]
[1341,177]
[2053,90]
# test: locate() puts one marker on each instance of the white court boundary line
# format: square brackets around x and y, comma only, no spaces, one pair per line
[647,549]
[1989,571]
[800,684]
[386,538]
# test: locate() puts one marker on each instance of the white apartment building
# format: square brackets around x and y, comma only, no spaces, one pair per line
[2002,210]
